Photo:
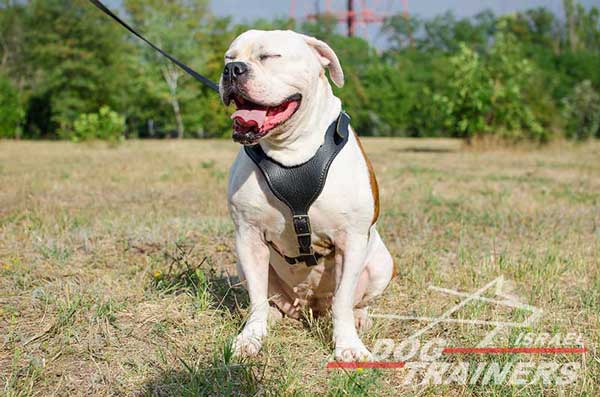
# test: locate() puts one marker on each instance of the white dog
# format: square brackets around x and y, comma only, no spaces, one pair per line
[285,104]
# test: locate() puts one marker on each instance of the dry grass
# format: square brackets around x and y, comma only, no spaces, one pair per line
[115,265]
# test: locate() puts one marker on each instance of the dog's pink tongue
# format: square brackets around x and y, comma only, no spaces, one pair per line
[255,116]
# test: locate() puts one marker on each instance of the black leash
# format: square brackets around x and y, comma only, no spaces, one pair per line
[207,82]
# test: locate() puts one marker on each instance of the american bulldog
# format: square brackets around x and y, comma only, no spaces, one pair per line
[284,103]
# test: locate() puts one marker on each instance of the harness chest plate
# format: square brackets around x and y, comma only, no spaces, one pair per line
[299,186]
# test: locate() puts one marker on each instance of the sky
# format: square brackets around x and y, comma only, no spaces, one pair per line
[248,10]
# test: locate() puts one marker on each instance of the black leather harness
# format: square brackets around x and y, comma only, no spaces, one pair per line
[299,186]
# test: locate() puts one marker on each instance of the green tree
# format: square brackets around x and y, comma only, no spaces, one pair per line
[12,32]
[12,68]
[11,111]
[537,28]
[400,30]
[511,75]
[582,26]
[486,95]
[178,28]
[443,32]
[582,112]
[468,95]
[78,63]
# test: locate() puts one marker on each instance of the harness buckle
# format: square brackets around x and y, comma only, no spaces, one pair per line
[301,225]
[303,234]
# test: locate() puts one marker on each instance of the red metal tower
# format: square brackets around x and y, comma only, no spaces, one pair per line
[353,16]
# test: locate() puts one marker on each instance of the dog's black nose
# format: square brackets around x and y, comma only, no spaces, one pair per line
[233,70]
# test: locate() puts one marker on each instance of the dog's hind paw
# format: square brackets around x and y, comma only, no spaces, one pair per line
[362,321]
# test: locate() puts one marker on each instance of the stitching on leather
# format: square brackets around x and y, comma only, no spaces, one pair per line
[325,170]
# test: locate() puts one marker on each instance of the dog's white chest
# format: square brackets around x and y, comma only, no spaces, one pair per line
[344,203]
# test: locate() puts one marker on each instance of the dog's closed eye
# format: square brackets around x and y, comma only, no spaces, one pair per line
[264,57]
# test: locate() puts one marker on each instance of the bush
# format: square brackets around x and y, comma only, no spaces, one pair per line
[512,75]
[582,112]
[468,95]
[486,95]
[11,111]
[105,125]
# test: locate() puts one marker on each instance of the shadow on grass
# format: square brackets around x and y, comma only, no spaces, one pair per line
[232,380]
[198,278]
[222,377]
[218,377]
[427,149]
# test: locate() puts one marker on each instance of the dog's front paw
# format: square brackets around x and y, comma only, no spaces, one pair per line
[351,349]
[249,341]
[246,346]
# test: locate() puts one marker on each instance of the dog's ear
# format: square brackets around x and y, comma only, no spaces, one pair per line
[328,59]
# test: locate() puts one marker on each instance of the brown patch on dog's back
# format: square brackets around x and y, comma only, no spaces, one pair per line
[372,180]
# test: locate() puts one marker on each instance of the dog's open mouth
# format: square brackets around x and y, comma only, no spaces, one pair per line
[252,121]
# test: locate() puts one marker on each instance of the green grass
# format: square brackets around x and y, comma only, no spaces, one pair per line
[117,267]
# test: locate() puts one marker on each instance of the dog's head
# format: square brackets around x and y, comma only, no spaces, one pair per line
[269,75]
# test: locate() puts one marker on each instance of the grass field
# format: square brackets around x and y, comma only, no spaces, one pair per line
[117,267]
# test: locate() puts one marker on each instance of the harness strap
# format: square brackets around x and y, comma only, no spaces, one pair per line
[204,80]
[289,259]
[300,185]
